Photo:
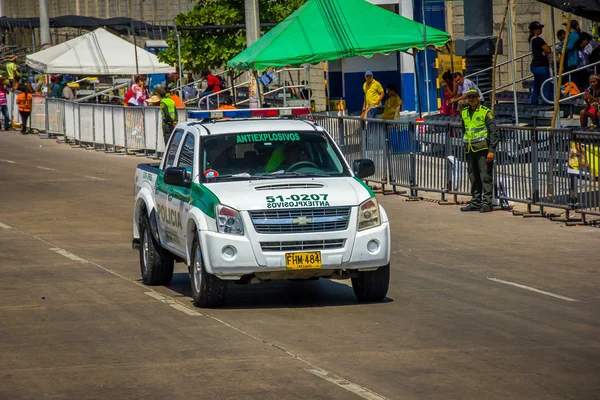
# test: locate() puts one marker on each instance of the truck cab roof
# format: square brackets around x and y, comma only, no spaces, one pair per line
[234,126]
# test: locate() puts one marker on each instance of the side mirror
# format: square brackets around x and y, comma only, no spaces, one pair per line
[364,168]
[177,176]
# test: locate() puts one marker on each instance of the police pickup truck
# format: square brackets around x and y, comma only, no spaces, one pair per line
[246,199]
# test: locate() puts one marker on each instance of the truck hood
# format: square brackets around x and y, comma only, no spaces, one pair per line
[291,193]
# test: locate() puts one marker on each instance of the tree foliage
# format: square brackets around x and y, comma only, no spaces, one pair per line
[211,49]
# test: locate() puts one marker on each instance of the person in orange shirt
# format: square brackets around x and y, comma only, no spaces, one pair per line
[227,104]
[24,100]
[175,97]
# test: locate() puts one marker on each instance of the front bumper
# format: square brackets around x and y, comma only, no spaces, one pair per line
[249,257]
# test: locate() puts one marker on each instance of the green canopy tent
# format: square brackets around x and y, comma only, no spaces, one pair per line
[327,30]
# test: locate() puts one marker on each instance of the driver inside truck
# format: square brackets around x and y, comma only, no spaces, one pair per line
[284,156]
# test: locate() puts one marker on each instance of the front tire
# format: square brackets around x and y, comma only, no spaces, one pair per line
[208,291]
[372,285]
[156,263]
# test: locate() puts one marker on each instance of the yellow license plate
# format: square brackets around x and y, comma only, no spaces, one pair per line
[304,260]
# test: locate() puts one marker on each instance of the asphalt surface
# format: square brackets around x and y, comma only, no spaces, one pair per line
[76,322]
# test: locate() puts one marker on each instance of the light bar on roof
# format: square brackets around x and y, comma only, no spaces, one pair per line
[249,113]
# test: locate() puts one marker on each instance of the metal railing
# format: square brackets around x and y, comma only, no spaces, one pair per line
[567,74]
[545,167]
[521,59]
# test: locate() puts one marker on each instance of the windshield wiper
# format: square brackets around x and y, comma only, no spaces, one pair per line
[242,176]
[298,174]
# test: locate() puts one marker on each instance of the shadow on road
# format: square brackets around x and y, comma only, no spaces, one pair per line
[278,294]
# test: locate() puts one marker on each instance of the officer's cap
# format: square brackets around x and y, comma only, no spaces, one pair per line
[472,92]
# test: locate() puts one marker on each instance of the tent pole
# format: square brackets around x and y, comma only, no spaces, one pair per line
[560,71]
[555,74]
[425,61]
[179,60]
[414,54]
[512,63]
[137,66]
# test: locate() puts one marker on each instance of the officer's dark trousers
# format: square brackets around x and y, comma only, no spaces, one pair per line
[167,129]
[480,175]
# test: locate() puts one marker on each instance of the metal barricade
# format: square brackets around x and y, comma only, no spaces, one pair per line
[13,107]
[584,167]
[118,118]
[56,116]
[457,177]
[152,124]
[86,123]
[70,127]
[375,147]
[135,137]
[516,167]
[99,127]
[38,113]
[431,159]
[109,128]
[556,185]
[402,149]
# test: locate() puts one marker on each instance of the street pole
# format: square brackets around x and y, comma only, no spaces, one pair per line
[512,63]
[252,22]
[252,35]
[555,73]
[425,61]
[179,59]
[44,23]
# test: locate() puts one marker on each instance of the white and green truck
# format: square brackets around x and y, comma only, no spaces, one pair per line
[252,200]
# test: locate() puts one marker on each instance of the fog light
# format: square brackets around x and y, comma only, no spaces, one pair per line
[228,252]
[373,246]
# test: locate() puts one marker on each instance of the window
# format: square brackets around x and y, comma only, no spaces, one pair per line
[173,146]
[271,155]
[186,156]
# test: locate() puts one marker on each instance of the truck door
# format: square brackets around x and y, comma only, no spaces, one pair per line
[180,196]
[167,222]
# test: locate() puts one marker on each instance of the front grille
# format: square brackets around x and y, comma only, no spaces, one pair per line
[301,220]
[303,245]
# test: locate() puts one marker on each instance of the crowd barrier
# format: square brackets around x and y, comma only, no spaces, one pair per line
[544,167]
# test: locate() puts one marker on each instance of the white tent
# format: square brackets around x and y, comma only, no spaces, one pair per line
[96,53]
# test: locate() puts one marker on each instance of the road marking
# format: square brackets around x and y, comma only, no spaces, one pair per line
[558,296]
[344,384]
[4,226]
[65,253]
[8,161]
[93,177]
[173,303]
[45,168]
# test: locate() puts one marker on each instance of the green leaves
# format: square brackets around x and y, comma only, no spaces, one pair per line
[211,49]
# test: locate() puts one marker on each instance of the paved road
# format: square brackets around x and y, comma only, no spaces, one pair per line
[76,323]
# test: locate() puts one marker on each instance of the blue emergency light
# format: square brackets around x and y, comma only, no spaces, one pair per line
[250,113]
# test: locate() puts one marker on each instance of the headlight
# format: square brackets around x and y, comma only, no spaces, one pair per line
[229,221]
[368,214]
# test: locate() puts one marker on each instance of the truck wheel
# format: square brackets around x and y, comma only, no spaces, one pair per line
[372,285]
[156,263]
[208,291]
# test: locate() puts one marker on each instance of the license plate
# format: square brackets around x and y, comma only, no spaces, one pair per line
[305,260]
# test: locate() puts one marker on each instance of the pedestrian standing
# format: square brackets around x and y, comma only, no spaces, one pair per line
[572,56]
[480,137]
[168,113]
[55,90]
[373,93]
[25,100]
[540,62]
[4,104]
[12,70]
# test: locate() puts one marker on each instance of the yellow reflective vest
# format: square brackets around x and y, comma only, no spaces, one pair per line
[476,132]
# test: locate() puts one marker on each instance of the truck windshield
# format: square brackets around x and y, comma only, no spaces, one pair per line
[269,155]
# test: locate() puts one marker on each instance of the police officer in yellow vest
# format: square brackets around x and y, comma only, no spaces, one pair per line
[168,113]
[480,139]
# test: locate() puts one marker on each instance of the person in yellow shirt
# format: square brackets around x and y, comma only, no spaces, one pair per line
[391,104]
[373,93]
